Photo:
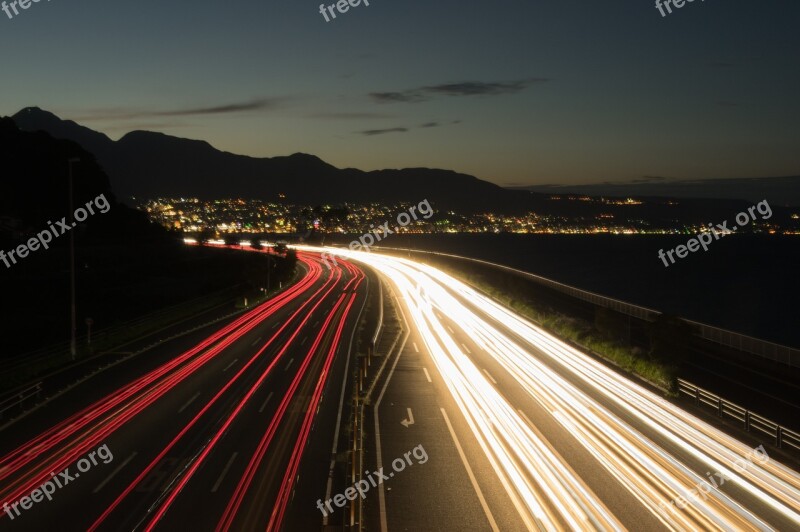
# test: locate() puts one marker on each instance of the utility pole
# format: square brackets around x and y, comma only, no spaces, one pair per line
[73,310]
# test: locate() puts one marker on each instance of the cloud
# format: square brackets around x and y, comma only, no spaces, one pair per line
[650,179]
[426,125]
[439,124]
[372,132]
[351,116]
[464,88]
[135,114]
[253,105]
[148,126]
[412,96]
[478,88]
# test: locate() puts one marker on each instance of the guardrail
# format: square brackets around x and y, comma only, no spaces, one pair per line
[748,344]
[751,422]
[598,299]
[18,397]
[49,353]
[755,346]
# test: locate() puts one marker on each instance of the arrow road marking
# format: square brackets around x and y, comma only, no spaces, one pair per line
[410,420]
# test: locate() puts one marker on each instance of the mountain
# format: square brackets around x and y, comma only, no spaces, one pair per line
[35,175]
[35,119]
[777,190]
[148,164]
[34,188]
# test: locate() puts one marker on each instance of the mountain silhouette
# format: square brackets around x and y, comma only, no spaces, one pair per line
[34,188]
[35,175]
[146,164]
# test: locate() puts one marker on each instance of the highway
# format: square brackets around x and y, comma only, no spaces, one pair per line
[481,421]
[524,432]
[219,436]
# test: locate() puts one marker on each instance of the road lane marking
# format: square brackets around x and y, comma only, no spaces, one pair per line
[117,470]
[229,365]
[472,478]
[525,417]
[263,406]
[254,343]
[409,420]
[288,365]
[415,346]
[304,340]
[329,486]
[466,349]
[427,375]
[451,330]
[224,472]
[190,401]
[490,377]
[378,456]
[276,324]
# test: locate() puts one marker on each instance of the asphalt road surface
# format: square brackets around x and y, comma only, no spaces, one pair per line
[213,436]
[524,432]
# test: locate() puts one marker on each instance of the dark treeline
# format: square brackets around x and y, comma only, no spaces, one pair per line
[125,266]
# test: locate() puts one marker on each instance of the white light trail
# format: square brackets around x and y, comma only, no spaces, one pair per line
[545,491]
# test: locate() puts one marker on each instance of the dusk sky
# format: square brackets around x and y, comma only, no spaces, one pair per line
[515,92]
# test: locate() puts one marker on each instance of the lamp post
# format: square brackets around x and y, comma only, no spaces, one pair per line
[73,327]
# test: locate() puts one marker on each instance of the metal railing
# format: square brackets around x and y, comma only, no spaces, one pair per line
[748,344]
[60,351]
[755,346]
[751,422]
[598,299]
[19,397]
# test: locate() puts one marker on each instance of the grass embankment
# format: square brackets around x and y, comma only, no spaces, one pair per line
[581,333]
[113,337]
[118,336]
[116,325]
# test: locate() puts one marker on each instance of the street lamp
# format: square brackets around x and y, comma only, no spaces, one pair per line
[73,327]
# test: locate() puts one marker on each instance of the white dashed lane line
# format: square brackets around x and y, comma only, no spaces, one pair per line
[190,401]
[117,470]
[224,472]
